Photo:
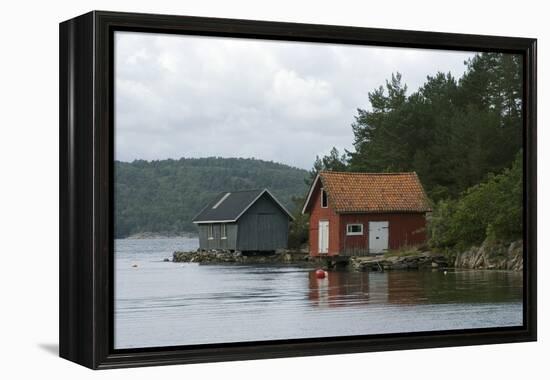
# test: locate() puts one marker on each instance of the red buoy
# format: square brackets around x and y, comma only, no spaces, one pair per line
[320,274]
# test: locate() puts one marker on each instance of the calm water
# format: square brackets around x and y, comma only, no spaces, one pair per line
[163,303]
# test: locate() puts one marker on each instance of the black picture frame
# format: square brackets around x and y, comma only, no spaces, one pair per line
[86,188]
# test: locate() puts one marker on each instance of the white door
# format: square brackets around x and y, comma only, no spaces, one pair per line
[323,236]
[378,237]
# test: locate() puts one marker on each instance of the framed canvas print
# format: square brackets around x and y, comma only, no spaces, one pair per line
[236,189]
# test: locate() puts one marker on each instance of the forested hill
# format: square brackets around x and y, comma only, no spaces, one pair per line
[163,196]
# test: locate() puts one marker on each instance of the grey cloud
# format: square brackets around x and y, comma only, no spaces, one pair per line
[181,96]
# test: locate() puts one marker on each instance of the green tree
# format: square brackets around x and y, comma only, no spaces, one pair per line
[299,228]
[334,161]
[452,133]
[491,210]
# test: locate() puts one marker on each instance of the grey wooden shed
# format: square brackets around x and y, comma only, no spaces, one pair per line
[246,221]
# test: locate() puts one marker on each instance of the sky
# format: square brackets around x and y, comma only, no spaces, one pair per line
[188,96]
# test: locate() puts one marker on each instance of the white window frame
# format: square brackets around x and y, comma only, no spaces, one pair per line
[349,233]
[323,192]
[210,231]
[223,231]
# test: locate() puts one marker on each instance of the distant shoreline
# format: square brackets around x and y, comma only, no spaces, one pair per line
[156,235]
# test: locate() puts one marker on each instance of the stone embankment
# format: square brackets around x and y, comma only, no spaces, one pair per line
[286,257]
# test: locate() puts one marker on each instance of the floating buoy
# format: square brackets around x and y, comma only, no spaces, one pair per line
[320,274]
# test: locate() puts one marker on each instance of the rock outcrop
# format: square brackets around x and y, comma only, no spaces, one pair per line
[419,260]
[491,255]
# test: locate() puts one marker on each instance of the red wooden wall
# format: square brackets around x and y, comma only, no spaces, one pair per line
[405,229]
[318,213]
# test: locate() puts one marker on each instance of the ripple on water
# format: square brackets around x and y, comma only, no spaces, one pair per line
[164,303]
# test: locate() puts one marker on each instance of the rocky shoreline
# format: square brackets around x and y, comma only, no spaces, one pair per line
[420,260]
[287,257]
[491,256]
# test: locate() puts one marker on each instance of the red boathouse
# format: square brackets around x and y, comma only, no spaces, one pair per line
[365,213]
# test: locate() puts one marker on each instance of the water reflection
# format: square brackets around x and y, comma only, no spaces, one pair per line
[341,288]
[337,289]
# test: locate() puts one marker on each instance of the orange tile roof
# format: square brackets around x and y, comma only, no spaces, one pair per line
[374,192]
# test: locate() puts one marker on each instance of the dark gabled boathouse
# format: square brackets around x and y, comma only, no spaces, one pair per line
[246,221]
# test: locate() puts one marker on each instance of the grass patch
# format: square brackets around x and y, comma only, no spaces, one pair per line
[403,252]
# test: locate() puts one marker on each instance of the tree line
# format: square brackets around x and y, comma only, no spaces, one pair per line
[163,196]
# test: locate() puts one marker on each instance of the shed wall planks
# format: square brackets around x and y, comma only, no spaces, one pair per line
[230,243]
[263,227]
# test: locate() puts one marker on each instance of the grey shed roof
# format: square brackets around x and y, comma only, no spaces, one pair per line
[229,206]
